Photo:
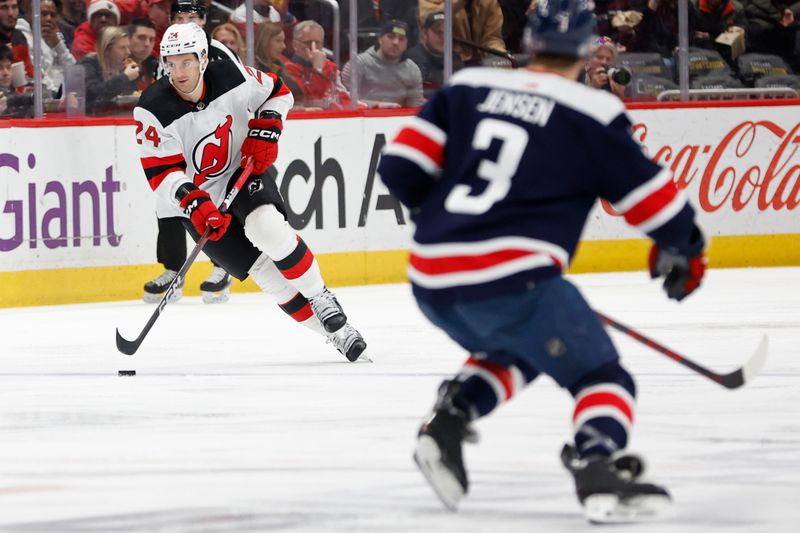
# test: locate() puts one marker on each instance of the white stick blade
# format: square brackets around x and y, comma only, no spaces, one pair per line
[753,367]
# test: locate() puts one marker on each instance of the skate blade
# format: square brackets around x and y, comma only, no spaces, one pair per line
[444,483]
[610,509]
[216,297]
[152,298]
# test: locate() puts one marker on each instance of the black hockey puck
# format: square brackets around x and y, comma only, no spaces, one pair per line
[126,372]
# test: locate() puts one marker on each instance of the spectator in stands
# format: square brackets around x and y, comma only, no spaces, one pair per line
[619,20]
[316,76]
[55,54]
[658,31]
[710,18]
[478,22]
[386,77]
[597,68]
[428,54]
[263,11]
[100,14]
[269,47]
[158,13]
[129,10]
[216,15]
[71,15]
[229,35]
[515,18]
[773,28]
[110,71]
[372,14]
[142,34]
[12,104]
[11,37]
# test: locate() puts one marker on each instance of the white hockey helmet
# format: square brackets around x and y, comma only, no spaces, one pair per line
[184,39]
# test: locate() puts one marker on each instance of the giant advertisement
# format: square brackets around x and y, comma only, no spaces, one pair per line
[76,197]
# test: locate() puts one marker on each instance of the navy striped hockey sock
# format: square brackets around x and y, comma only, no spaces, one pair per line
[605,401]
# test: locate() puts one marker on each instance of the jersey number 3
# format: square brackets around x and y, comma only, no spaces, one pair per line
[498,173]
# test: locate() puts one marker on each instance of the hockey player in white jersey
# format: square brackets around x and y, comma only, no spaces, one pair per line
[171,239]
[196,128]
[500,170]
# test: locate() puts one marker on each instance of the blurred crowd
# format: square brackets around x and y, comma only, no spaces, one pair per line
[97,55]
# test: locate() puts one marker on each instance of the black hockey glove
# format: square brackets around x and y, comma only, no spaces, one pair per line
[682,271]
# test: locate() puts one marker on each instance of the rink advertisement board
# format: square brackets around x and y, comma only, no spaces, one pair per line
[78,218]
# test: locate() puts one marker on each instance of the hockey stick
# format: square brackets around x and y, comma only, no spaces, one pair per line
[129,347]
[732,380]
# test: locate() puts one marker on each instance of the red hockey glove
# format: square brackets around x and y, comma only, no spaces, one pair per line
[682,271]
[202,212]
[262,141]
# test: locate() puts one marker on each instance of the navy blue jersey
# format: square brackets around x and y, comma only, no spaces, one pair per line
[500,170]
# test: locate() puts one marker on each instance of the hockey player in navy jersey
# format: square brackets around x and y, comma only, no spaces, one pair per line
[195,127]
[500,170]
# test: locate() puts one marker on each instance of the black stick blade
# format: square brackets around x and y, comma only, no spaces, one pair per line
[125,346]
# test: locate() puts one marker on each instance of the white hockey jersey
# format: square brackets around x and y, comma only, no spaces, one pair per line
[180,141]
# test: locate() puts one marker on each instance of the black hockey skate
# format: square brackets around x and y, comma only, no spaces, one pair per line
[216,288]
[438,454]
[155,288]
[328,311]
[609,491]
[348,341]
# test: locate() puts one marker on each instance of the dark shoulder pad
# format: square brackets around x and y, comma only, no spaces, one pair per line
[221,76]
[163,102]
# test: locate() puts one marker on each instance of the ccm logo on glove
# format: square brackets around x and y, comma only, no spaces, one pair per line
[269,135]
[197,204]
[262,141]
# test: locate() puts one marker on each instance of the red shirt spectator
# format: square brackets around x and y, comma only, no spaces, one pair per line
[316,76]
[158,13]
[99,14]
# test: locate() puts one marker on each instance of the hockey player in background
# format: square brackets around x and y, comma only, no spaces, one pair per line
[500,170]
[171,239]
[195,127]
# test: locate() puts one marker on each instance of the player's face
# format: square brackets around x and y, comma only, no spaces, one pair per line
[393,45]
[186,18]
[142,42]
[184,71]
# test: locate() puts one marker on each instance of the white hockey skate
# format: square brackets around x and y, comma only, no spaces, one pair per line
[155,288]
[327,309]
[350,343]
[216,289]
[609,490]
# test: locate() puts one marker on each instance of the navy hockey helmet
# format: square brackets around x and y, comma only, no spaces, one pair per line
[188,6]
[561,27]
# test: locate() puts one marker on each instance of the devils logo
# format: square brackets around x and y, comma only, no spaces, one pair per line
[212,154]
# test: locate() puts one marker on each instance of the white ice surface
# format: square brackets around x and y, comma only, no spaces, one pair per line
[239,420]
